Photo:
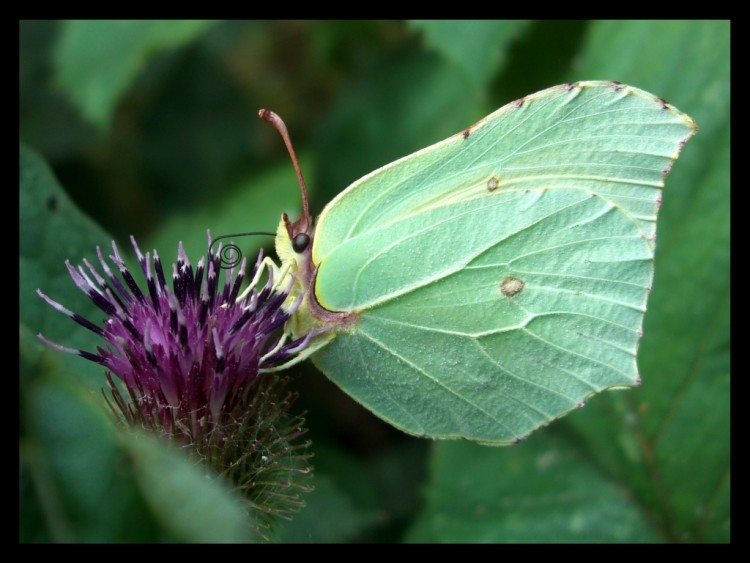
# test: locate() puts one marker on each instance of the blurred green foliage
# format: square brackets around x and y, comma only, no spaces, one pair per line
[151,129]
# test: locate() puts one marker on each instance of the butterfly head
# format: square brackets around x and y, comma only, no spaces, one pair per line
[293,247]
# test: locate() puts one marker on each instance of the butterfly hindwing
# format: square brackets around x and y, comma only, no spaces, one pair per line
[500,276]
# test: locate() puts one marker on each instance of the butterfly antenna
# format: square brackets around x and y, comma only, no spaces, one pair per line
[277,122]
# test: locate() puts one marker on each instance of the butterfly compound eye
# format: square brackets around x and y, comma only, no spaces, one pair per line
[300,242]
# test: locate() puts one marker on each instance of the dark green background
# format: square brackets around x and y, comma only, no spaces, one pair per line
[151,129]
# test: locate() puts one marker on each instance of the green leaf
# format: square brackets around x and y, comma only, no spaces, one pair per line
[83,480]
[75,479]
[187,501]
[538,492]
[478,47]
[52,231]
[97,60]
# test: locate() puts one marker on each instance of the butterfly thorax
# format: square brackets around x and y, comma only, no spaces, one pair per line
[310,315]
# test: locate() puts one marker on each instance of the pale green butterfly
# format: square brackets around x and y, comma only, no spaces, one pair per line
[488,284]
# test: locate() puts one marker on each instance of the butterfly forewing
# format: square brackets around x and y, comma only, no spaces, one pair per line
[501,276]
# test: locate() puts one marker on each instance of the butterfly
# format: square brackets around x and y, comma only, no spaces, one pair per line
[488,284]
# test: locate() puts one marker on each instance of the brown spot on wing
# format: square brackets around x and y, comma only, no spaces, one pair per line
[510,286]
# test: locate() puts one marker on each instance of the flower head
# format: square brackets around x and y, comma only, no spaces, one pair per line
[190,359]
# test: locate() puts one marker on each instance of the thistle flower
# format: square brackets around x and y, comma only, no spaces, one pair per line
[191,362]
